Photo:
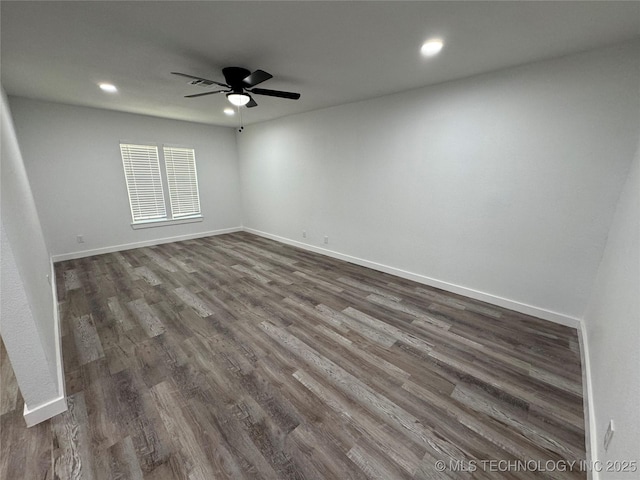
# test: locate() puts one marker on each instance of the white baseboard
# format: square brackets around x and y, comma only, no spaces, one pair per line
[552,316]
[590,438]
[45,411]
[146,243]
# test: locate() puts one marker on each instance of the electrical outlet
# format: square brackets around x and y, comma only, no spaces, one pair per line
[80,238]
[304,234]
[608,435]
[326,239]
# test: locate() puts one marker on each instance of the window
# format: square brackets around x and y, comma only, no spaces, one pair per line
[182,179]
[146,186]
[142,173]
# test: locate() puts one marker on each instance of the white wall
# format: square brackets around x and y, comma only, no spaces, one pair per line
[613,331]
[72,156]
[27,304]
[504,183]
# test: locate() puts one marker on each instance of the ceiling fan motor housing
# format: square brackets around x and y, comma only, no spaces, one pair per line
[234,77]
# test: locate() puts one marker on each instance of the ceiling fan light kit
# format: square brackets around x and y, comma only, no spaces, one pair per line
[240,82]
[238,99]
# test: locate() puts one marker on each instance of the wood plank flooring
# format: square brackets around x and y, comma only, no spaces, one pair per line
[238,357]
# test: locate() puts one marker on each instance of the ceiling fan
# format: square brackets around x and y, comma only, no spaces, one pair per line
[240,83]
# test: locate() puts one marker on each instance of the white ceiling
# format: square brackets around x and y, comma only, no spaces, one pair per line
[330,52]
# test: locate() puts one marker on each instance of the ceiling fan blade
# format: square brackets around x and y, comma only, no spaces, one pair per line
[256,77]
[201,81]
[276,93]
[203,94]
[252,103]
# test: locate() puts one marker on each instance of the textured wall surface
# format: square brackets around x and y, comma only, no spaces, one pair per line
[27,304]
[504,183]
[613,330]
[72,156]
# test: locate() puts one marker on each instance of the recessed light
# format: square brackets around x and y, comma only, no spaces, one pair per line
[229,111]
[431,47]
[107,87]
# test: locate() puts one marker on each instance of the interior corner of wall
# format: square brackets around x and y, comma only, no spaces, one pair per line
[59,363]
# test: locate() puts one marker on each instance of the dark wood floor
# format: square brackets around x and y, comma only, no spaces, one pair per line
[239,357]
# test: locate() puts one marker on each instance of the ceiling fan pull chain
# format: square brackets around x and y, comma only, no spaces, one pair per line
[241,121]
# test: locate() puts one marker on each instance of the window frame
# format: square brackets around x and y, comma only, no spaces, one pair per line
[169,218]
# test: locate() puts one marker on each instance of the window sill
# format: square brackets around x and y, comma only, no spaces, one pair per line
[163,223]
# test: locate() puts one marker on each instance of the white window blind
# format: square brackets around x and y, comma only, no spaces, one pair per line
[182,179]
[144,184]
